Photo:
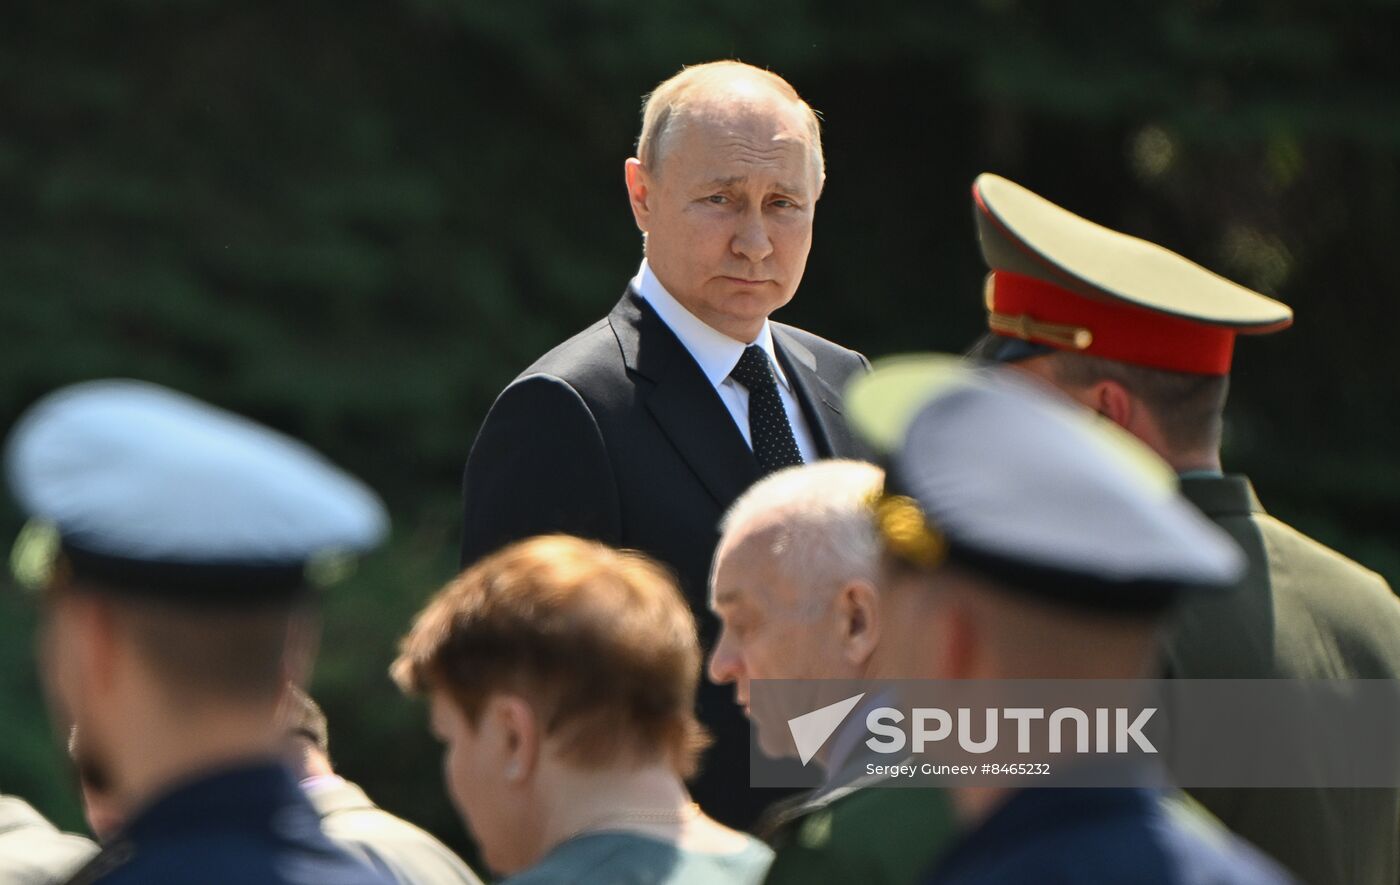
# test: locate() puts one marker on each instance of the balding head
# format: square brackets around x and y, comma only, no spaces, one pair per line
[718,88]
[793,582]
[818,522]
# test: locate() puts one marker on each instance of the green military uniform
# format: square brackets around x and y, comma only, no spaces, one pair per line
[1303,611]
[1062,283]
[886,836]
[854,828]
[405,853]
[33,851]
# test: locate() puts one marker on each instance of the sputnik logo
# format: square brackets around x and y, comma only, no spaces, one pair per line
[811,730]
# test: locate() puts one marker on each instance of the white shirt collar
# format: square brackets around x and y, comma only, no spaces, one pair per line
[715,351]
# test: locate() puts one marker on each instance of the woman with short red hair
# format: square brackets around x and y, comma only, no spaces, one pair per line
[561,675]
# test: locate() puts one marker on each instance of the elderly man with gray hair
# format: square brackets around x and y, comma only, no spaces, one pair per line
[794,579]
[795,585]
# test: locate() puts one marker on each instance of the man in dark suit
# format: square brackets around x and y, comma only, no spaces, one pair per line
[642,429]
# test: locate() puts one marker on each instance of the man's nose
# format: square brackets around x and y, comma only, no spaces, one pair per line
[723,662]
[751,239]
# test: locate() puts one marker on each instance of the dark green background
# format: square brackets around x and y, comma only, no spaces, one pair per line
[356,221]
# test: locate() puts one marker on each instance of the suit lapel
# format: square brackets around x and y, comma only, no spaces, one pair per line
[683,402]
[821,404]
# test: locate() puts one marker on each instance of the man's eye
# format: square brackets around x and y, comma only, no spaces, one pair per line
[782,203]
[717,199]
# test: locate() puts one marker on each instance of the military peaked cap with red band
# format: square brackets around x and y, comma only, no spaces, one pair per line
[1062,281]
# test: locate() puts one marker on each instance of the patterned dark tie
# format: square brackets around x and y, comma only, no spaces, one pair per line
[769,430]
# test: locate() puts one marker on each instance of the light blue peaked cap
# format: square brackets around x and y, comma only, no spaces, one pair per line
[154,489]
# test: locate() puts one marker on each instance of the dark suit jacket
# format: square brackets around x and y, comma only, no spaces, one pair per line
[617,435]
[1303,611]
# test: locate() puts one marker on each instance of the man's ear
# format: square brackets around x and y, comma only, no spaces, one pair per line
[858,613]
[516,736]
[85,655]
[1113,401]
[639,192]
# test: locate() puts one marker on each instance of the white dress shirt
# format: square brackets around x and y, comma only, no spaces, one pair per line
[717,354]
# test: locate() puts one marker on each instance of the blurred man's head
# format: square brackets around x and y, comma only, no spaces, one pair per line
[123,669]
[724,186]
[794,581]
[551,657]
[1179,415]
[949,622]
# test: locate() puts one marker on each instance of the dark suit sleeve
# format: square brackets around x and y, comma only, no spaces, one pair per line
[538,466]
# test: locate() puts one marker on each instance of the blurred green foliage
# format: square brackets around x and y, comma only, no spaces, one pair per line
[356,221]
